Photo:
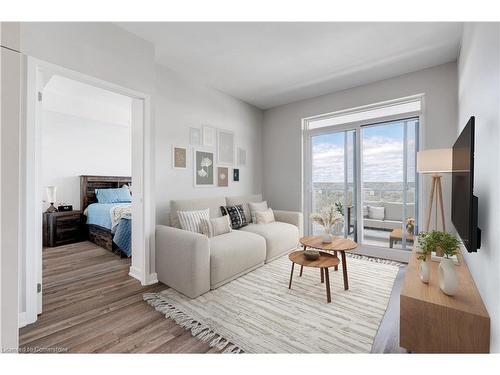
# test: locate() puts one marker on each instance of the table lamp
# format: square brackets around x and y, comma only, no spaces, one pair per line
[435,162]
[51,198]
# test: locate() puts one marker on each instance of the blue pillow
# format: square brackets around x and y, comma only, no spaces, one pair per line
[121,195]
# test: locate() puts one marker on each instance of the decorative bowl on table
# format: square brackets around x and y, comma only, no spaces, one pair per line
[311,254]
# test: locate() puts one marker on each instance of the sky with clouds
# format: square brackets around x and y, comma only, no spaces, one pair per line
[382,159]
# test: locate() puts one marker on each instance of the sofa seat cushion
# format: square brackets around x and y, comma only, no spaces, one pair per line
[231,254]
[280,237]
[381,224]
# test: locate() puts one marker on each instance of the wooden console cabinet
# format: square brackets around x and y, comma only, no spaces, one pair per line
[432,322]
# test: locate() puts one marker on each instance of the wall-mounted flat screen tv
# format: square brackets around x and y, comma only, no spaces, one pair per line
[464,206]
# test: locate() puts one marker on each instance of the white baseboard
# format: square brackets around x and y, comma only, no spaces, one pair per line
[23,321]
[135,273]
[152,278]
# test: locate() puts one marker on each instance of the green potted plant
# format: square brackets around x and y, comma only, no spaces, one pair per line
[445,245]
[425,251]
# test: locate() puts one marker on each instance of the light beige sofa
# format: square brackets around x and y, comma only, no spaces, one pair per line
[393,213]
[193,264]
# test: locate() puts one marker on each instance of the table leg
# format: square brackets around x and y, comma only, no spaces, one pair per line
[291,275]
[322,275]
[344,270]
[327,277]
[301,269]
[336,267]
[391,242]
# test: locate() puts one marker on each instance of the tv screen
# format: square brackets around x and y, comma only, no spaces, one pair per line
[464,203]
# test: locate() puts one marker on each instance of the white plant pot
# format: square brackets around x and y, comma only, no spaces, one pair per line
[327,237]
[448,278]
[425,273]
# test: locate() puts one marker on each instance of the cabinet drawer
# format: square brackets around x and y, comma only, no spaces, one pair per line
[63,223]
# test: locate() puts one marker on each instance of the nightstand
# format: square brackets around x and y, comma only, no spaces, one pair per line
[62,228]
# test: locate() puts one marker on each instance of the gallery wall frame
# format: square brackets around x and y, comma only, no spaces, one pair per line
[225,147]
[195,136]
[222,176]
[179,157]
[203,167]
[209,136]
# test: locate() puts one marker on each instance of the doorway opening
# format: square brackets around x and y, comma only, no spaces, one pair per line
[83,137]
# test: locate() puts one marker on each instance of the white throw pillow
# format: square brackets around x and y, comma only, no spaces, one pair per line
[191,220]
[216,227]
[377,213]
[264,217]
[255,207]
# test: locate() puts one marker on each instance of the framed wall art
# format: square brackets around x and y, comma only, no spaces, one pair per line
[209,135]
[203,168]
[225,147]
[222,176]
[179,157]
[195,136]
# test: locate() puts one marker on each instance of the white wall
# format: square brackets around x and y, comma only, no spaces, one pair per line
[283,136]
[479,96]
[10,188]
[181,104]
[74,146]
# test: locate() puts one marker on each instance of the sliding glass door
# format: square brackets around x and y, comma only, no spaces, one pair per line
[333,179]
[368,173]
[388,183]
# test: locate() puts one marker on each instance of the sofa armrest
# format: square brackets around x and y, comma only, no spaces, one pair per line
[183,260]
[290,217]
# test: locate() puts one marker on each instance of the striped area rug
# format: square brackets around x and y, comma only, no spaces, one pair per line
[257,313]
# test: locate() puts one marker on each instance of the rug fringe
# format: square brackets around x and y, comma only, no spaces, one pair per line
[376,260]
[202,332]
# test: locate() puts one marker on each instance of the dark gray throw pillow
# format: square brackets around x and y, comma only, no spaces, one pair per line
[236,215]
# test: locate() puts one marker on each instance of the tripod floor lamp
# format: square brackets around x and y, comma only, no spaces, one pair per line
[435,162]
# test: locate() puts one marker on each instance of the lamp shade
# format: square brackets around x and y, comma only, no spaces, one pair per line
[435,161]
[51,194]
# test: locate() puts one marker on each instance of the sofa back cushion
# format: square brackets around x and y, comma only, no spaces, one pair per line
[213,205]
[393,210]
[243,200]
[377,213]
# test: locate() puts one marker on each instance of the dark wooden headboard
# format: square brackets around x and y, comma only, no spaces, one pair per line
[88,184]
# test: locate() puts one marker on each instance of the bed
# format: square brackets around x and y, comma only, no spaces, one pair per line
[108,224]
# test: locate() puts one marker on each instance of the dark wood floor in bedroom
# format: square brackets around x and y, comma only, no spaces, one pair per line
[91,305]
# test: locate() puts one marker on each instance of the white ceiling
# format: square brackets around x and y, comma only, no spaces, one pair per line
[269,64]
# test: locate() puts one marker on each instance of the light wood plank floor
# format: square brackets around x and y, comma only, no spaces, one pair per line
[91,305]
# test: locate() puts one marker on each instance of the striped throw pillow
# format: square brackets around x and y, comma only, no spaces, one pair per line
[191,220]
[236,215]
[216,227]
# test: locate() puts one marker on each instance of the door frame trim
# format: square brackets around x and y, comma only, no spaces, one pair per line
[143,256]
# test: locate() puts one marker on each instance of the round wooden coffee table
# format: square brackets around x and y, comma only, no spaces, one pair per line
[324,262]
[338,244]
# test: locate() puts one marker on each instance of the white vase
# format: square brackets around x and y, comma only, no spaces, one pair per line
[448,278]
[327,236]
[424,272]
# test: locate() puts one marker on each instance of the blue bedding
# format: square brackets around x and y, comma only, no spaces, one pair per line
[123,236]
[99,214]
